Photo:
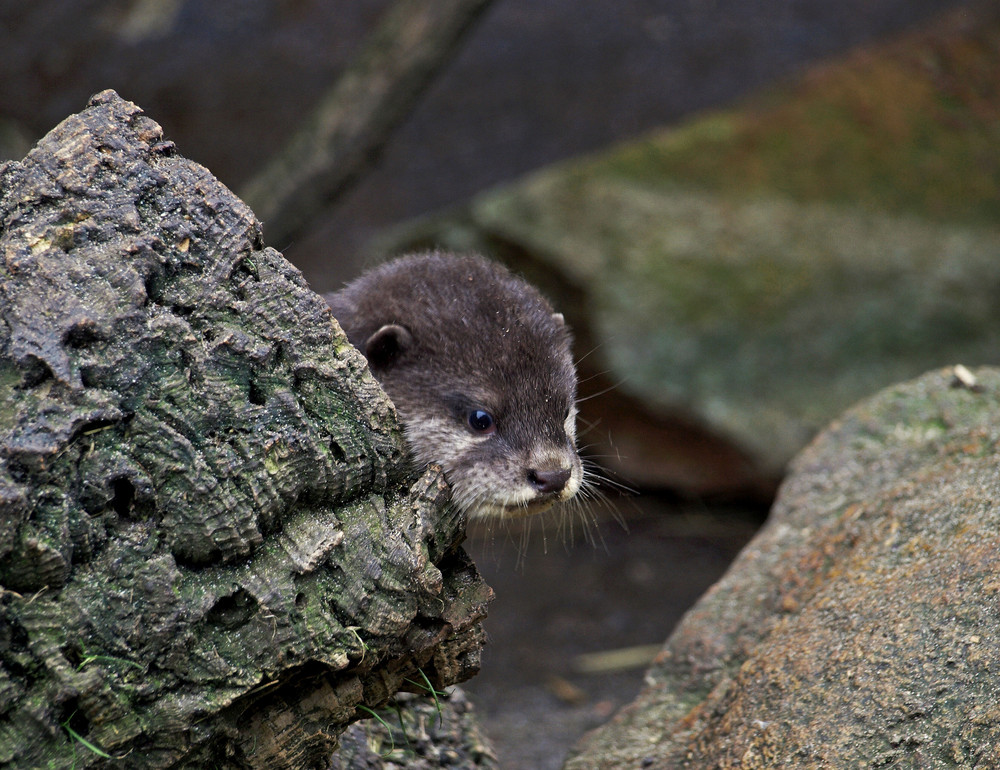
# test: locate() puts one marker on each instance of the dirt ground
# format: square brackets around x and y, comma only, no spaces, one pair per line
[561,595]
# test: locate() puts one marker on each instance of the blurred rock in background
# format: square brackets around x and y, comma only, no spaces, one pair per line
[536,82]
[759,269]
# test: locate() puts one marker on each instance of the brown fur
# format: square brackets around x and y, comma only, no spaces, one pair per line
[447,335]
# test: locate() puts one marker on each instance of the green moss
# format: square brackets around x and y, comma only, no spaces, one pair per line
[913,127]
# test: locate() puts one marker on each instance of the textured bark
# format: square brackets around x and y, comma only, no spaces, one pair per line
[212,551]
[414,40]
[418,733]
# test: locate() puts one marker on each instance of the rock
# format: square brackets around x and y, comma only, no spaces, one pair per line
[756,271]
[213,550]
[857,628]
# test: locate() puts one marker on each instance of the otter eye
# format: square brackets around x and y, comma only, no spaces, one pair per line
[481,421]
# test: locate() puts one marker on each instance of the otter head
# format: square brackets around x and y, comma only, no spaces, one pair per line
[480,370]
[505,432]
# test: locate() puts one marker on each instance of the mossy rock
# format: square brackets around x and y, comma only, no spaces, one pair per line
[855,630]
[762,268]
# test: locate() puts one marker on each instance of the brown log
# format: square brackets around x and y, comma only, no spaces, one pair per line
[212,549]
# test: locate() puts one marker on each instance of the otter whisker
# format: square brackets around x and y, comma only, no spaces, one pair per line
[592,350]
[613,386]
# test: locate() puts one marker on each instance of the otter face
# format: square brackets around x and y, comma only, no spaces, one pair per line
[479,368]
[504,431]
[493,472]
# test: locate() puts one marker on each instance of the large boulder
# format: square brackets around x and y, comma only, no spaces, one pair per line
[858,628]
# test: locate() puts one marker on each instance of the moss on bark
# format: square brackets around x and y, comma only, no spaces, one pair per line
[212,549]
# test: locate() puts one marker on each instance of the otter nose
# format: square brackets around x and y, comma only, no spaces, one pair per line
[548,482]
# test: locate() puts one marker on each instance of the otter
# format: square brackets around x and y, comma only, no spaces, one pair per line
[479,367]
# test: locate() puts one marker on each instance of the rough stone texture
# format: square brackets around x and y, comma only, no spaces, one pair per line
[212,550]
[858,628]
[760,269]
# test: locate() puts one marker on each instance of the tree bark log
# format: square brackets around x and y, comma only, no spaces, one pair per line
[212,549]
[413,41]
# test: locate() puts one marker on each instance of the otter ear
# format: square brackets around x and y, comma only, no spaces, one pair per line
[386,345]
[558,318]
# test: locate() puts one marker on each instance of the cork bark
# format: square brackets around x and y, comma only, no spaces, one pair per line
[212,549]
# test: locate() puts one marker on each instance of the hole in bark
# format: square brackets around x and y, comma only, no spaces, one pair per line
[166,148]
[82,334]
[72,654]
[232,611]
[92,427]
[301,600]
[153,285]
[18,470]
[124,495]
[15,641]
[247,267]
[35,373]
[90,376]
[72,719]
[339,455]
[256,395]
